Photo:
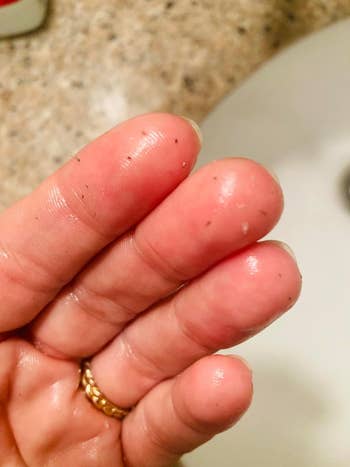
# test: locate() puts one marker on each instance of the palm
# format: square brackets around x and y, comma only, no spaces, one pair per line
[92,264]
[46,420]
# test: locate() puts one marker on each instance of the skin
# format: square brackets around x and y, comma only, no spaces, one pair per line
[124,257]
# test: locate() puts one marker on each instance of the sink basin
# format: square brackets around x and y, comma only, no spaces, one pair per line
[294,116]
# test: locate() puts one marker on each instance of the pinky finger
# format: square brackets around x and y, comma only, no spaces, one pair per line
[182,413]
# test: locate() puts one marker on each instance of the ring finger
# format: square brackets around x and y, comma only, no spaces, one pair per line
[224,307]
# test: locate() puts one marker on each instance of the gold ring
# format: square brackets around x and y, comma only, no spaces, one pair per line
[95,395]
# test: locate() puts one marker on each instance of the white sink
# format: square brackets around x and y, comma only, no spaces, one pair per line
[294,116]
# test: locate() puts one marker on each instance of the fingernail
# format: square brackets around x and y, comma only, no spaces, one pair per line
[196,128]
[287,248]
[273,175]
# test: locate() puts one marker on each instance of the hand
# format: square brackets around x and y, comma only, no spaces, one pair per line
[121,257]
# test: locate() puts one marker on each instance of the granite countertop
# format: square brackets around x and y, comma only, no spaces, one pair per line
[96,63]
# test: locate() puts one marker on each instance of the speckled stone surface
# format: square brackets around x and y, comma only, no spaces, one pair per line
[98,62]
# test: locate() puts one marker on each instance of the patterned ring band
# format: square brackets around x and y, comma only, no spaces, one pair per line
[96,397]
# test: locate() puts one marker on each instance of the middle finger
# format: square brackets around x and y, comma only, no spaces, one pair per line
[224,207]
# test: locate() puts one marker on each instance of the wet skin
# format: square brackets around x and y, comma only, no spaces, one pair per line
[124,257]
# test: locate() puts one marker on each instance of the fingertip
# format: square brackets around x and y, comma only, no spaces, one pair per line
[180,414]
[216,392]
[145,158]
[179,132]
[284,255]
[232,386]
[252,194]
[257,165]
[252,187]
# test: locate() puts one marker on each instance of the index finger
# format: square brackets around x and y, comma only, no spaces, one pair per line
[46,238]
